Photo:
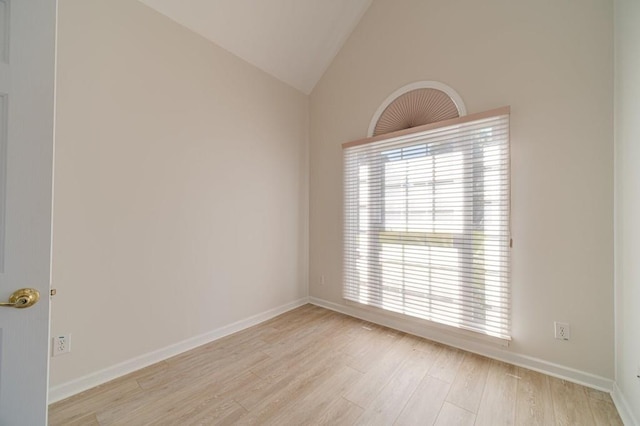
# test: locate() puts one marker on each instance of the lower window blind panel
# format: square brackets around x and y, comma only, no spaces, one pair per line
[426,230]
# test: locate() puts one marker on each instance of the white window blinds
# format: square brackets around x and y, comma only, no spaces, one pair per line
[426,230]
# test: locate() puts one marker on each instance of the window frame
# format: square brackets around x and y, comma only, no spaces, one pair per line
[467,229]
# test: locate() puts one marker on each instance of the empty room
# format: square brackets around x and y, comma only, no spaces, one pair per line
[298,212]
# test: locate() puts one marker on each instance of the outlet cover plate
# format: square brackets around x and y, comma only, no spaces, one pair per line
[61,344]
[562,330]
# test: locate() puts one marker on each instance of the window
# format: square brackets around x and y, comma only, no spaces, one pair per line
[427,222]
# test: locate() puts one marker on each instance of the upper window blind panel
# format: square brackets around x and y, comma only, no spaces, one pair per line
[426,229]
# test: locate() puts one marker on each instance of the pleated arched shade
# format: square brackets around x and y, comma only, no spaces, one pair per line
[416,108]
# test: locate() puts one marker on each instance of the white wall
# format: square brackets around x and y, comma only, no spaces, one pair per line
[627,128]
[553,63]
[180,187]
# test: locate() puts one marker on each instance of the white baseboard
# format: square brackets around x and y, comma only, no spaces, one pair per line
[623,407]
[65,390]
[478,347]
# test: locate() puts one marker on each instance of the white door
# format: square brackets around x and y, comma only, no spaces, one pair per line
[27,68]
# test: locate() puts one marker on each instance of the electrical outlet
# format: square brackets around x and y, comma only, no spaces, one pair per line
[61,344]
[322,280]
[562,330]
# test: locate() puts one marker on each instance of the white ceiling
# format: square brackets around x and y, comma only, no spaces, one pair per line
[293,40]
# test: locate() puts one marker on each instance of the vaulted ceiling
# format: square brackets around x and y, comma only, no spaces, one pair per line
[293,40]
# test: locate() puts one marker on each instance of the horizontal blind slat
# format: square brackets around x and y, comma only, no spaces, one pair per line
[426,229]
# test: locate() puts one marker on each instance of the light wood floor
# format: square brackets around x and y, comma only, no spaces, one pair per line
[314,366]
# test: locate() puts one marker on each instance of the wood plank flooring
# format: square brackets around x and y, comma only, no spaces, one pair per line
[313,366]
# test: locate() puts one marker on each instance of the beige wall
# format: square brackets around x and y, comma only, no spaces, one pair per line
[180,191]
[627,127]
[552,62]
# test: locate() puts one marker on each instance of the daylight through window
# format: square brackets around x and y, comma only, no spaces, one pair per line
[427,222]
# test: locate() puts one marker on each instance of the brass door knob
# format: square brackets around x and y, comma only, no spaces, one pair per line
[23,298]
